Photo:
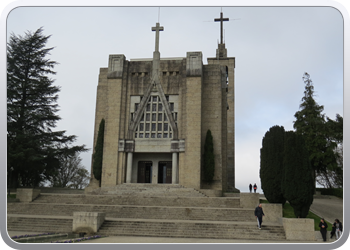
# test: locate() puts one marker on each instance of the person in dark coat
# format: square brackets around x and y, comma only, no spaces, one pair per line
[250,187]
[323,228]
[255,187]
[333,229]
[259,213]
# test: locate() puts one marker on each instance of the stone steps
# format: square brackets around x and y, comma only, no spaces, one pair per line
[45,225]
[149,190]
[196,229]
[145,212]
[154,228]
[221,202]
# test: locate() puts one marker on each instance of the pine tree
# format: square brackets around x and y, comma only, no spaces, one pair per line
[310,122]
[98,155]
[271,164]
[332,177]
[33,148]
[208,158]
[297,181]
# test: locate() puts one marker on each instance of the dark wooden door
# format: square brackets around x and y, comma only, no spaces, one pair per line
[165,172]
[144,172]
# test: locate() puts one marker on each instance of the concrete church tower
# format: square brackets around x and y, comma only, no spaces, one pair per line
[157,112]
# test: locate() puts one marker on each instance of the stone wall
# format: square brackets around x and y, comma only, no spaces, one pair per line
[299,229]
[249,200]
[273,212]
[229,62]
[212,118]
[111,137]
[190,171]
[27,194]
[87,222]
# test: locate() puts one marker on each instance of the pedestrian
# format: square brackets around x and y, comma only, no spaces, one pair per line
[323,229]
[255,187]
[259,213]
[250,187]
[333,229]
[338,228]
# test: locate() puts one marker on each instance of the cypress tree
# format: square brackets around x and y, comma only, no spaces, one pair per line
[98,155]
[208,158]
[297,181]
[271,164]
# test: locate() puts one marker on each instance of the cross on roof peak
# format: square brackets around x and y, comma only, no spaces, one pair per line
[221,20]
[157,29]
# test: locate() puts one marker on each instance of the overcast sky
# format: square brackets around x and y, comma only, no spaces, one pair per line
[273,47]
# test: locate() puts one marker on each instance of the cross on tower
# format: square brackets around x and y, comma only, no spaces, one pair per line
[157,29]
[221,20]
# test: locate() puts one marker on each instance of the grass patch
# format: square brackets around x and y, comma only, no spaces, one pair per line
[11,196]
[288,212]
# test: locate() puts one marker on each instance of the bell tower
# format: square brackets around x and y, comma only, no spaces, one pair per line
[229,64]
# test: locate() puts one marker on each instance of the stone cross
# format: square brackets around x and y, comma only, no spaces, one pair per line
[157,29]
[221,20]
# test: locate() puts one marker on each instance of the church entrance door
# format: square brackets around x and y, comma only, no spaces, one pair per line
[165,172]
[144,172]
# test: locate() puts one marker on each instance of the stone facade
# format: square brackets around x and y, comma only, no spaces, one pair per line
[157,112]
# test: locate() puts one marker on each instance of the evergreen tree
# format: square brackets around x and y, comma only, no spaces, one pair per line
[297,181]
[310,122]
[98,155]
[208,158]
[271,164]
[33,148]
[332,177]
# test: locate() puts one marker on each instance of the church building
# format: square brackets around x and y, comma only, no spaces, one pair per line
[157,112]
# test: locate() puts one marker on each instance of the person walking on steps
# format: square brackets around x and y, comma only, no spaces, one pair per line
[333,229]
[338,228]
[255,187]
[259,213]
[323,229]
[250,187]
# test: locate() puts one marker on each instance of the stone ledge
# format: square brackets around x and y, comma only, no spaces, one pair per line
[27,194]
[87,222]
[299,229]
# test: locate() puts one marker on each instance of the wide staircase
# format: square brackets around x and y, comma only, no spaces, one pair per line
[145,210]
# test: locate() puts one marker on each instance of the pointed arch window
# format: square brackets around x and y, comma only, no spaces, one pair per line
[154,122]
